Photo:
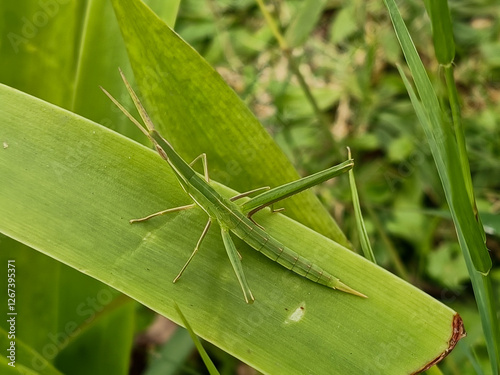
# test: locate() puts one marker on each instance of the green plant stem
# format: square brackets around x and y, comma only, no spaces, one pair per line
[294,66]
[272,25]
[459,132]
[485,299]
[201,350]
[481,283]
[305,87]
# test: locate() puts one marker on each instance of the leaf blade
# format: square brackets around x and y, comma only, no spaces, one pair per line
[82,220]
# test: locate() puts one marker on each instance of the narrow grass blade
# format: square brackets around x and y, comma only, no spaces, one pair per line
[360,224]
[442,31]
[444,47]
[204,356]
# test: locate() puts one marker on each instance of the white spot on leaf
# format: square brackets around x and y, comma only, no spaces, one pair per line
[297,315]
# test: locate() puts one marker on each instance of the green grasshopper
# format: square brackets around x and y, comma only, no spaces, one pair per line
[232,217]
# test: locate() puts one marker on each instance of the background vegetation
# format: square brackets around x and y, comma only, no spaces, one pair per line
[346,53]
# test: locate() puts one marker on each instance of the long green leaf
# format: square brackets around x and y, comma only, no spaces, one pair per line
[70,188]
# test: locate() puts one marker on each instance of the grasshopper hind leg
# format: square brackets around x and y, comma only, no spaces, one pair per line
[235,259]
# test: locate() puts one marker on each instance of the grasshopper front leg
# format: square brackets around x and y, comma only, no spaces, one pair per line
[284,191]
[203,158]
[247,193]
[198,244]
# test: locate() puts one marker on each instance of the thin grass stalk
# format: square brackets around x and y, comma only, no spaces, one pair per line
[360,224]
[294,66]
[201,350]
[459,133]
